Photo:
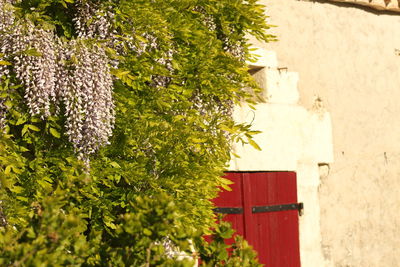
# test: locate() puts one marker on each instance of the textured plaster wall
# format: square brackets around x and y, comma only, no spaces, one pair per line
[292,139]
[348,57]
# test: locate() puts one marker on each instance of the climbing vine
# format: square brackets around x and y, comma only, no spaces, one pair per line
[116,128]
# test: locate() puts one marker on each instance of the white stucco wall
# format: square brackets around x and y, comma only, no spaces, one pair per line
[348,57]
[292,139]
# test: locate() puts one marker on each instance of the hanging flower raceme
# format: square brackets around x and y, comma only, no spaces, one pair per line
[6,27]
[35,65]
[87,96]
[91,22]
[32,53]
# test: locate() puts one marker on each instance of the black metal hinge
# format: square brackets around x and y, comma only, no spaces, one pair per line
[283,207]
[229,210]
[260,209]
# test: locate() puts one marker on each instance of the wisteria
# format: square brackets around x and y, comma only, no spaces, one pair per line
[35,65]
[235,49]
[74,74]
[91,22]
[3,219]
[207,19]
[6,22]
[88,98]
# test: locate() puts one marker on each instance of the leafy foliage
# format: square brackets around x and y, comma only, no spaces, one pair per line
[219,253]
[178,67]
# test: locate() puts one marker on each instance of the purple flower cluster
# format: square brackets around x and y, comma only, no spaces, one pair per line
[3,113]
[91,22]
[6,22]
[56,72]
[87,97]
[208,20]
[35,66]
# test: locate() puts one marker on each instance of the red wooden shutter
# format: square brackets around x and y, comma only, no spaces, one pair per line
[262,207]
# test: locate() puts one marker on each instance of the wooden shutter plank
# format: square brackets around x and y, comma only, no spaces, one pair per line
[232,199]
[277,233]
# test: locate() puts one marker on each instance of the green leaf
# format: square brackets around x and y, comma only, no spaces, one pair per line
[254,144]
[23,149]
[20,121]
[2,62]
[108,221]
[115,165]
[235,155]
[54,133]
[32,52]
[223,254]
[17,189]
[226,187]
[24,199]
[33,127]
[7,170]
[64,4]
[24,130]
[147,232]
[227,233]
